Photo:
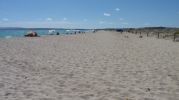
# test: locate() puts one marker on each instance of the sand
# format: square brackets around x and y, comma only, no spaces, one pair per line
[91,66]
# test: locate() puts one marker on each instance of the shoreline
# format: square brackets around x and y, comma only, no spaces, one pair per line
[41,36]
[142,34]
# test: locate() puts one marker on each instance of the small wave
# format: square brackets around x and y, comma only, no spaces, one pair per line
[68,30]
[72,30]
[8,37]
[75,30]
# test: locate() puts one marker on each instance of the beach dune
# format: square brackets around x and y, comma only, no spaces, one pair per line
[93,66]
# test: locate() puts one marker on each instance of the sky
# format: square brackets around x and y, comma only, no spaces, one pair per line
[89,13]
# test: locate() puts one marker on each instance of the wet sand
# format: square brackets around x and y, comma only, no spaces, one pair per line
[91,66]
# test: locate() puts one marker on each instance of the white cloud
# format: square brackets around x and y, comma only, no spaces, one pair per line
[64,18]
[5,19]
[107,14]
[117,9]
[49,19]
[121,19]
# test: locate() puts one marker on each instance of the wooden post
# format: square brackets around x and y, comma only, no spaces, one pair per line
[158,35]
[147,34]
[174,37]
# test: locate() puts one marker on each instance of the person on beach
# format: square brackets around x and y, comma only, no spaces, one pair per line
[58,33]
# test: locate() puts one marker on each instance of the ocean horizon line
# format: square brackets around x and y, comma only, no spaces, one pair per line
[85,28]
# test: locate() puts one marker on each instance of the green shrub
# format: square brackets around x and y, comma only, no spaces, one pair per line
[177,32]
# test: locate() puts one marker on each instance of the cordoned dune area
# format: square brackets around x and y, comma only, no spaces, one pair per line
[93,66]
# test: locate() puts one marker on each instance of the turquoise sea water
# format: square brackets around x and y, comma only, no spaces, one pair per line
[10,33]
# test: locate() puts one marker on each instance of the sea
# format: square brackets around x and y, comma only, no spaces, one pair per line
[11,33]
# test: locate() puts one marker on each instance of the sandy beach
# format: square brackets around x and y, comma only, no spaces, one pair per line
[93,66]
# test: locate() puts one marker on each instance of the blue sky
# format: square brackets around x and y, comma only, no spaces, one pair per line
[89,13]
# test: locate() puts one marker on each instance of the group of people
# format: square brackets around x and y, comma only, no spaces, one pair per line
[34,34]
[31,34]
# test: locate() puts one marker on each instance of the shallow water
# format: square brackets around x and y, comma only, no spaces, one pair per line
[9,33]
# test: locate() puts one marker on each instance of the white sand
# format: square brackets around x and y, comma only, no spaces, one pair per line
[100,66]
